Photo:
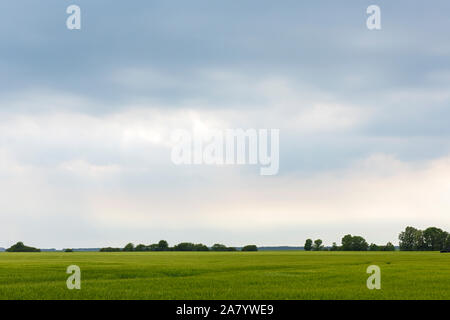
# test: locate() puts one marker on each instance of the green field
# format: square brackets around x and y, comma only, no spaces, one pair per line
[227,275]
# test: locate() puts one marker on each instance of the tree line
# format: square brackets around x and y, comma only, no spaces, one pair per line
[163,245]
[430,239]
[20,247]
[349,243]
[412,239]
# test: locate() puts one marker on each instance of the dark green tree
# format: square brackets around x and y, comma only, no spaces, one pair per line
[184,246]
[250,248]
[129,247]
[163,245]
[140,247]
[354,243]
[308,245]
[109,249]
[200,247]
[20,247]
[434,239]
[447,243]
[420,241]
[359,244]
[409,239]
[219,247]
[317,245]
[347,243]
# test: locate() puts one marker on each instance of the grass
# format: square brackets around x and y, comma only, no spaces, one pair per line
[227,275]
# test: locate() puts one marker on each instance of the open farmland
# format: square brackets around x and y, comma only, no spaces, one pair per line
[225,275]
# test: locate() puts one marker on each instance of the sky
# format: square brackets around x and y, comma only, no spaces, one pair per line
[86,117]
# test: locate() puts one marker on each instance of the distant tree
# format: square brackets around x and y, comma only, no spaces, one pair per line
[219,247]
[184,246]
[431,239]
[109,249]
[347,243]
[374,247]
[163,245]
[222,247]
[317,245]
[420,241]
[447,243]
[153,247]
[129,247]
[434,239]
[389,247]
[408,239]
[140,247]
[20,247]
[68,250]
[354,243]
[250,248]
[308,245]
[200,247]
[334,247]
[359,244]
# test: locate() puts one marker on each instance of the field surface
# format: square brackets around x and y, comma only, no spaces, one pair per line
[229,275]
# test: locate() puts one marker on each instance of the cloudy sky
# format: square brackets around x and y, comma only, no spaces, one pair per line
[86,117]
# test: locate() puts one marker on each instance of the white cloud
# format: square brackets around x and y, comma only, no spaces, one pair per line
[112,171]
[375,191]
